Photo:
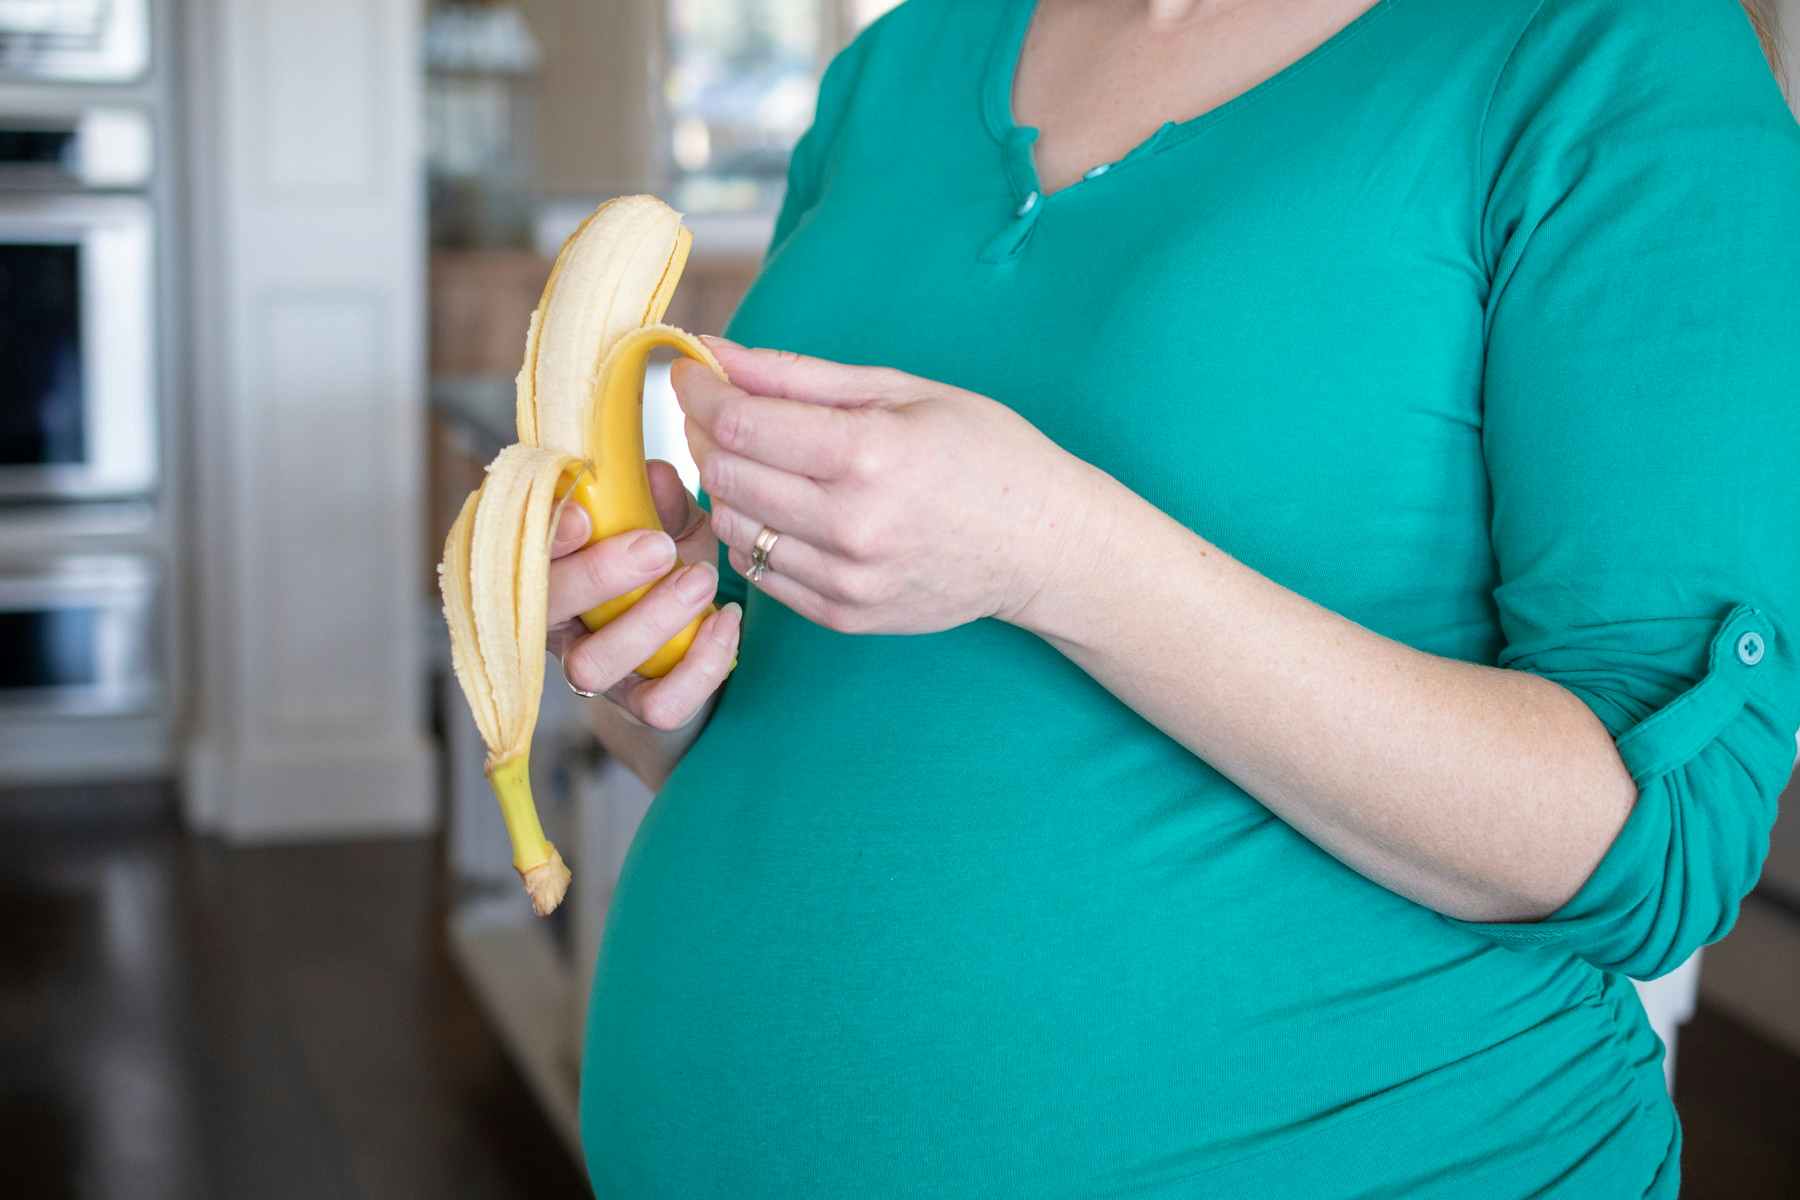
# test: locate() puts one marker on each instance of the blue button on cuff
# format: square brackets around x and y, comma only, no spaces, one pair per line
[1681,728]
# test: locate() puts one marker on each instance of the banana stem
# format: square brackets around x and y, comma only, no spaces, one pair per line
[536,860]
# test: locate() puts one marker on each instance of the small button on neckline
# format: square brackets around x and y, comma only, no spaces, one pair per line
[1097,172]
[1750,648]
[1029,203]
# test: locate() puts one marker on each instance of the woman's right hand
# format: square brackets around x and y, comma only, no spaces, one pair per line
[605,661]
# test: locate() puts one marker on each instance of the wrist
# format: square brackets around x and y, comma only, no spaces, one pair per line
[1063,553]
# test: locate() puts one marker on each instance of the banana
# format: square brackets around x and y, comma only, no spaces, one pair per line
[579,408]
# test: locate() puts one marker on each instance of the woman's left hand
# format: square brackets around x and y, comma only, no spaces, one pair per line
[903,505]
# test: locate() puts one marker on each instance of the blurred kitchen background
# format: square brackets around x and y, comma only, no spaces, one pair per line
[265,273]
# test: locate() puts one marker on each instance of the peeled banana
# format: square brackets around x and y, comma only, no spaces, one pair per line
[581,440]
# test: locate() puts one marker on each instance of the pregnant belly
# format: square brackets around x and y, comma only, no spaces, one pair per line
[1111,974]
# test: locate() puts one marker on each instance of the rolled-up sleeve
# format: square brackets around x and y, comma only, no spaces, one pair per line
[1642,434]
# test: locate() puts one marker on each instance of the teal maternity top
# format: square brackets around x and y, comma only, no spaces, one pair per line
[1479,325]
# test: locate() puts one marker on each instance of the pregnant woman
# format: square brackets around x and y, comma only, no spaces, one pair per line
[1266,535]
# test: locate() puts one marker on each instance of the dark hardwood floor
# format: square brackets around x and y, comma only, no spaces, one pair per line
[1739,1098]
[182,1020]
[186,1021]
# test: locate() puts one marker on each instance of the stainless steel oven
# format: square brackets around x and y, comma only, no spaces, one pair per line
[77,343]
[90,653]
[79,636]
[74,41]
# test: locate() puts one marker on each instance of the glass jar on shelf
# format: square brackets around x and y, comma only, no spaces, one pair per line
[481,81]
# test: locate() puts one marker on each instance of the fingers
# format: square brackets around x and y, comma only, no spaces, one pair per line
[608,568]
[700,443]
[674,507]
[806,439]
[572,528]
[560,637]
[675,699]
[833,578]
[791,503]
[813,380]
[602,659]
[797,596]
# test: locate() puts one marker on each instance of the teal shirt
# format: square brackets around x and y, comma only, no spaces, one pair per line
[1480,325]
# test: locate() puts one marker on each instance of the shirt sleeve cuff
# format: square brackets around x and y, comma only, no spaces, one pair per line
[1709,766]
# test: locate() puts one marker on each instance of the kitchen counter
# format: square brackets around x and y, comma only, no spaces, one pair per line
[718,237]
[481,299]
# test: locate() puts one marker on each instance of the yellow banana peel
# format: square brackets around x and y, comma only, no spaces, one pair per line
[579,402]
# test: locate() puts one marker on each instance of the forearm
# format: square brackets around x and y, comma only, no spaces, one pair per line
[650,753]
[1483,793]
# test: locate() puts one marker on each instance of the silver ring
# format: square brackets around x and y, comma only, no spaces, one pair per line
[563,658]
[759,554]
[625,712]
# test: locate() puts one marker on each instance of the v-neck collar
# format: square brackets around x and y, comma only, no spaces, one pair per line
[1016,140]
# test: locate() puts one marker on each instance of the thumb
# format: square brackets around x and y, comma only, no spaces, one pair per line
[792,376]
[674,507]
[572,529]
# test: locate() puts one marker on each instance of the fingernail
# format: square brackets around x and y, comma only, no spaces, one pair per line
[573,524]
[698,582]
[728,620]
[651,550]
[714,341]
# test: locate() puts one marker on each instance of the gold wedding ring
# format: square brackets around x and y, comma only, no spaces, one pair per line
[759,554]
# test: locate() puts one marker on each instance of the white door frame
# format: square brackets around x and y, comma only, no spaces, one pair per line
[306,419]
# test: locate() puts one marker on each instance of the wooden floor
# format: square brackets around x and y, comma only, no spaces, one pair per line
[185,1021]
